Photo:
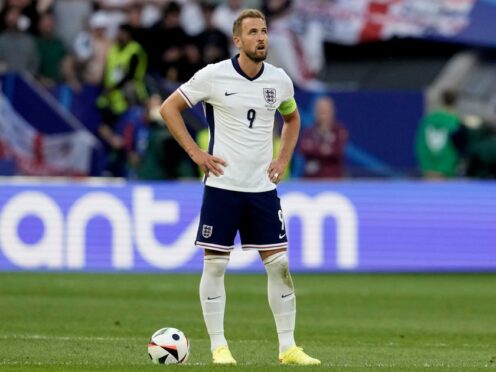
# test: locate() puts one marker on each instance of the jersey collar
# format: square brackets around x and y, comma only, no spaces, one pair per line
[237,67]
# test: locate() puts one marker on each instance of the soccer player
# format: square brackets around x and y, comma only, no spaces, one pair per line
[240,98]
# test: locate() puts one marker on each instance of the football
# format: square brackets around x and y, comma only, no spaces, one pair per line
[168,346]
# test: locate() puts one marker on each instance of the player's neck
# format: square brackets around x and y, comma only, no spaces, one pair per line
[249,67]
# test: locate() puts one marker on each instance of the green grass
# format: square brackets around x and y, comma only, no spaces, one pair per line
[74,322]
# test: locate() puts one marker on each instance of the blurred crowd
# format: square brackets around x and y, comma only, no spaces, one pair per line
[177,37]
[136,52]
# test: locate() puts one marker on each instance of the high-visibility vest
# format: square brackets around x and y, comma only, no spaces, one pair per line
[118,63]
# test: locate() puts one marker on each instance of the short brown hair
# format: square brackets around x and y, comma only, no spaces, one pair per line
[247,13]
[449,97]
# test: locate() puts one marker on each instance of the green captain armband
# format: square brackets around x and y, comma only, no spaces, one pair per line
[287,107]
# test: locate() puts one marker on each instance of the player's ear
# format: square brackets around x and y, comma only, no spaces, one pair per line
[237,41]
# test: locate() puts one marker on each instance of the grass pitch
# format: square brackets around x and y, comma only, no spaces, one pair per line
[75,322]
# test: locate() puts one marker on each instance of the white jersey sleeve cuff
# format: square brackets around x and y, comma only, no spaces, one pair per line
[185,97]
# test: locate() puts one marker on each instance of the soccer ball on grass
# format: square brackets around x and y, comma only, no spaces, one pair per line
[168,346]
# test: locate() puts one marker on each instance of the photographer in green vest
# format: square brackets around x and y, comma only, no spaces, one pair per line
[123,87]
[124,78]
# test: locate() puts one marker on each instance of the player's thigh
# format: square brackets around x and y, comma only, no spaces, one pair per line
[219,219]
[262,226]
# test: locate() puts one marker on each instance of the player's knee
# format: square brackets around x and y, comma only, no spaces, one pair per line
[278,264]
[215,265]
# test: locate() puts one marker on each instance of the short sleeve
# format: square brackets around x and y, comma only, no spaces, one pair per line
[288,104]
[197,88]
[288,89]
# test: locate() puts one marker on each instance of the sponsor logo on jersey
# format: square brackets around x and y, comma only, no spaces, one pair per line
[207,231]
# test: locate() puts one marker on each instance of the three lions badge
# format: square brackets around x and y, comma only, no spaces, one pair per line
[207,231]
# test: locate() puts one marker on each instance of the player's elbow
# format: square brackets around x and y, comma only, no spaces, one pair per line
[165,109]
[171,108]
[167,112]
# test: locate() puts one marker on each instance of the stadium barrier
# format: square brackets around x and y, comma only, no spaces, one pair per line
[356,226]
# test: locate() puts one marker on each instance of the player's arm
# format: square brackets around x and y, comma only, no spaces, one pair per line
[171,113]
[289,137]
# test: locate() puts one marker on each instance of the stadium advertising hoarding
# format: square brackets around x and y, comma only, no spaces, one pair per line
[340,226]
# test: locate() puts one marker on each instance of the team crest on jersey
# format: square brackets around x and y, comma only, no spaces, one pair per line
[270,95]
[207,231]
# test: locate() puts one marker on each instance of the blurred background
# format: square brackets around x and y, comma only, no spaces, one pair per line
[393,170]
[392,177]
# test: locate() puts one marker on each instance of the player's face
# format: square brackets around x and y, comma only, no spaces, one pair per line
[325,112]
[253,40]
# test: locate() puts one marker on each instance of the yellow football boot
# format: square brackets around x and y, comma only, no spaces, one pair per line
[296,355]
[222,355]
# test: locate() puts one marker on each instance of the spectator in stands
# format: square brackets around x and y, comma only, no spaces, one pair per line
[178,56]
[323,144]
[18,51]
[475,141]
[212,42]
[134,15]
[300,54]
[158,155]
[144,13]
[125,70]
[30,11]
[52,53]
[147,157]
[123,87]
[72,18]
[168,39]
[151,11]
[141,34]
[192,19]
[90,51]
[437,156]
[225,15]
[115,11]
[121,140]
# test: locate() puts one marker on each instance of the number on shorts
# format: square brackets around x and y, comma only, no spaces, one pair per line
[281,218]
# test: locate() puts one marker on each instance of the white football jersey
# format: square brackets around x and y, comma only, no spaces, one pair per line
[240,113]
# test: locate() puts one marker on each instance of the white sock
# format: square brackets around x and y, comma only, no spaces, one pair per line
[213,298]
[282,298]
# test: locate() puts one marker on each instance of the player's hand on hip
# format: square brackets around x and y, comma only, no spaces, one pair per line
[209,163]
[276,171]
